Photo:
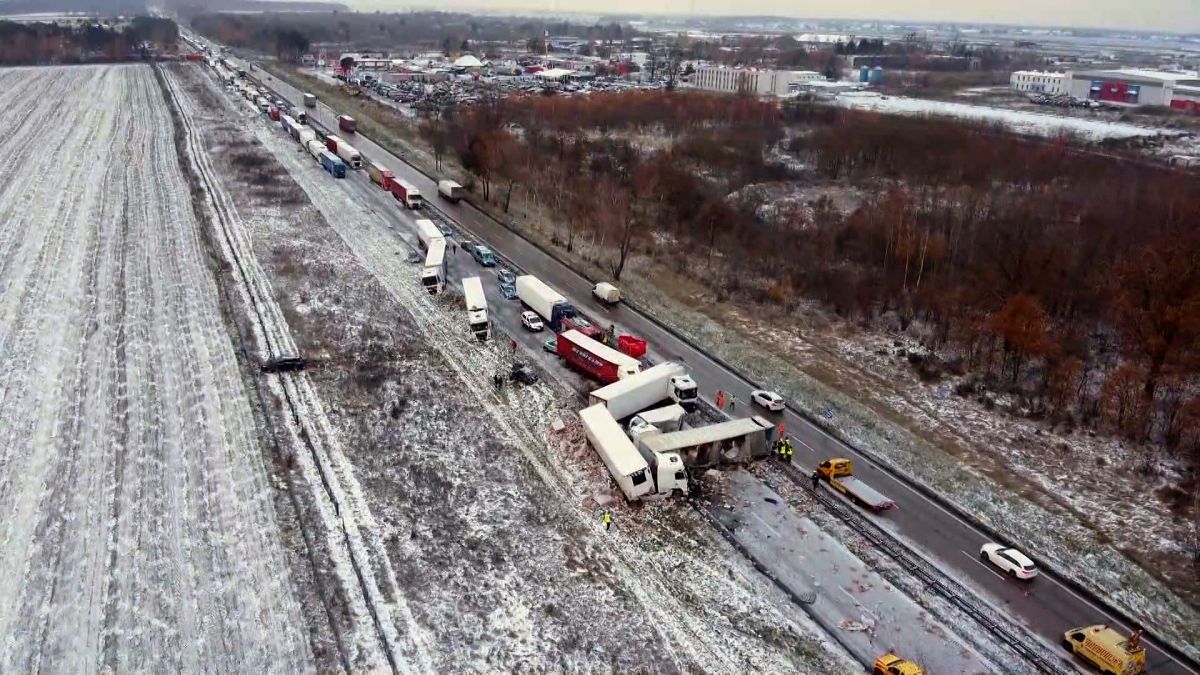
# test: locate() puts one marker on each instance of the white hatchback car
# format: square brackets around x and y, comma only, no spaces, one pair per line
[767,399]
[532,321]
[1010,560]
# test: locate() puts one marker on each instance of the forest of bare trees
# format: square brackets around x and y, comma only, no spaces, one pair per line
[50,43]
[1069,280]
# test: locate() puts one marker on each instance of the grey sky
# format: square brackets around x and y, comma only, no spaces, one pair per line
[1172,15]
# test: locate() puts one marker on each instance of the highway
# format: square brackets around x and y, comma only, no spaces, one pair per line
[1047,606]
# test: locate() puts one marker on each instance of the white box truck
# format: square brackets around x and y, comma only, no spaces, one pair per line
[349,155]
[477,309]
[450,191]
[315,148]
[640,392]
[305,135]
[433,274]
[607,293]
[626,465]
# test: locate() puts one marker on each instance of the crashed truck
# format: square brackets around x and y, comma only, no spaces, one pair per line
[646,460]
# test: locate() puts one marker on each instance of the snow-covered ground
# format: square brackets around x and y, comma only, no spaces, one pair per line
[490,519]
[1023,121]
[138,530]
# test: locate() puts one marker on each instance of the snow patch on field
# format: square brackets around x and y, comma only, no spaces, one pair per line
[1023,121]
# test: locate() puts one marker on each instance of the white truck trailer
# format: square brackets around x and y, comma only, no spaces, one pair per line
[626,465]
[349,155]
[547,302]
[305,135]
[477,309]
[735,441]
[666,419]
[315,148]
[433,274]
[427,232]
[642,391]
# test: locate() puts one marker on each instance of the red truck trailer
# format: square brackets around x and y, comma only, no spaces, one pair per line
[347,124]
[408,195]
[380,176]
[603,363]
[331,143]
[273,113]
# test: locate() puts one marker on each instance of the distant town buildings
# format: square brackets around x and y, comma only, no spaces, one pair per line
[751,81]
[1037,81]
[1135,87]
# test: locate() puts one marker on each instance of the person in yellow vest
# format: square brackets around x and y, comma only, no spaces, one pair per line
[607,519]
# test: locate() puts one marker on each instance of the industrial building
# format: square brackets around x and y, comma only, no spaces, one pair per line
[1133,87]
[1037,81]
[751,80]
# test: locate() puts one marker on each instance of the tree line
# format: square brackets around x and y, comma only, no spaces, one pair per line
[1067,280]
[51,43]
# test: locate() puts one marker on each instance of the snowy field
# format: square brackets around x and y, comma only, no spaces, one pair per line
[1023,121]
[489,522]
[138,531]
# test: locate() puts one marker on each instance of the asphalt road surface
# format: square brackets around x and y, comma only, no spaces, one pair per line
[1046,606]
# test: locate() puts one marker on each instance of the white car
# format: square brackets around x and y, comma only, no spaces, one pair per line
[532,321]
[1010,560]
[767,399]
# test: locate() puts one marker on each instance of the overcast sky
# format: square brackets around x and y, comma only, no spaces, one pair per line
[1172,15]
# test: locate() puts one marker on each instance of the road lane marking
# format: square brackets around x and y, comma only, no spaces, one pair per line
[983,564]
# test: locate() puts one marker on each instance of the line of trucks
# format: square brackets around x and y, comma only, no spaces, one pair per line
[642,459]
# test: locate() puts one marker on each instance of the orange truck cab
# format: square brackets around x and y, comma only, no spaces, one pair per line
[1107,649]
[890,664]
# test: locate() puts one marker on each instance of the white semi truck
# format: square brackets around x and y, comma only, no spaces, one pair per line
[634,474]
[477,309]
[349,155]
[642,391]
[547,302]
[433,274]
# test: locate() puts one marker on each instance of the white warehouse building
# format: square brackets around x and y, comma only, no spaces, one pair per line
[1038,81]
[752,80]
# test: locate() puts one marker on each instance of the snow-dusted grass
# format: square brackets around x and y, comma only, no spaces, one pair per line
[138,531]
[490,519]
[1022,121]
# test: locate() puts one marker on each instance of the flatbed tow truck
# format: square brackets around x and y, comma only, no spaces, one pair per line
[839,473]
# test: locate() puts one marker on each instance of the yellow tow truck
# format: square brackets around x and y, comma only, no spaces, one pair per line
[890,664]
[1108,650]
